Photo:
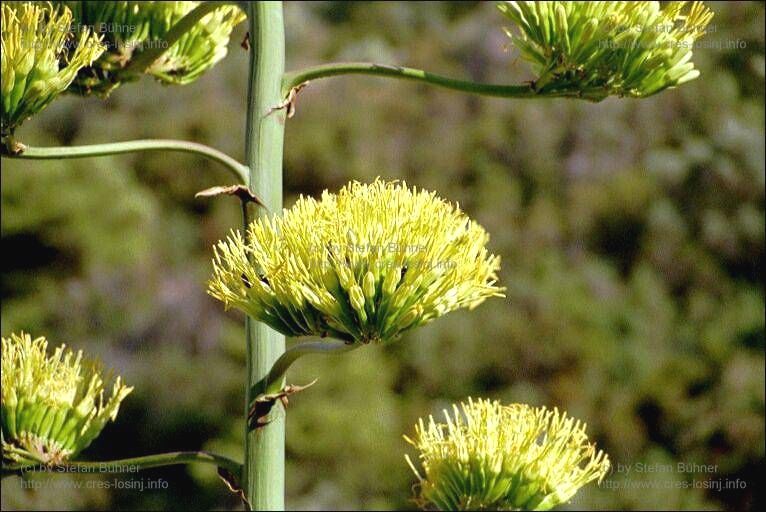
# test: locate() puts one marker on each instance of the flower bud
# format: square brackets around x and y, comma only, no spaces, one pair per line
[392,280]
[368,286]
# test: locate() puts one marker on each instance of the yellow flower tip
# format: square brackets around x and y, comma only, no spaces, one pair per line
[489,456]
[363,265]
[597,49]
[40,58]
[53,406]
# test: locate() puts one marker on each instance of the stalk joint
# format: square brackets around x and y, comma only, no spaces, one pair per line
[257,416]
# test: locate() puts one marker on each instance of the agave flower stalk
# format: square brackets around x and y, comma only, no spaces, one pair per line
[263,479]
[38,58]
[53,406]
[145,37]
[363,265]
[282,306]
[487,456]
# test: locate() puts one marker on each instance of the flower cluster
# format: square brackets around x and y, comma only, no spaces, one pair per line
[597,49]
[52,406]
[198,49]
[363,265]
[130,28]
[496,457]
[40,56]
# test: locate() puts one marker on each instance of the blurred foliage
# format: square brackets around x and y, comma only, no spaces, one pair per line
[631,231]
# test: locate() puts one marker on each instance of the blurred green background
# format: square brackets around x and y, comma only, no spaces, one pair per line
[631,231]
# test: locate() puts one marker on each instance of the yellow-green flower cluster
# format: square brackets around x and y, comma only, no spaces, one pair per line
[131,27]
[198,49]
[487,456]
[41,55]
[52,406]
[363,265]
[597,49]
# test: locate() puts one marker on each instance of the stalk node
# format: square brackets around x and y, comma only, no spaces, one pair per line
[289,102]
[12,147]
[258,414]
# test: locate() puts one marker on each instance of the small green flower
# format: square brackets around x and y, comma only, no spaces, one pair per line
[493,457]
[599,49]
[40,57]
[363,266]
[131,27]
[52,407]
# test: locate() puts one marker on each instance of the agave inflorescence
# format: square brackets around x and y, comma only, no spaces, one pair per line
[52,406]
[41,55]
[364,265]
[496,457]
[597,49]
[130,28]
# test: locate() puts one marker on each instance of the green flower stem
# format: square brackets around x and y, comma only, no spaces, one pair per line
[145,59]
[264,471]
[273,381]
[296,78]
[238,170]
[139,463]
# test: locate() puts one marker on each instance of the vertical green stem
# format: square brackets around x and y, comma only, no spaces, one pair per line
[264,468]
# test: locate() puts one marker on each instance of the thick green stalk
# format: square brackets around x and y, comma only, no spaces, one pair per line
[264,471]
[137,463]
[238,170]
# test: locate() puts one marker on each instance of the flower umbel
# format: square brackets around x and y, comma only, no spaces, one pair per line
[133,27]
[363,265]
[495,457]
[53,407]
[39,59]
[599,49]
[198,49]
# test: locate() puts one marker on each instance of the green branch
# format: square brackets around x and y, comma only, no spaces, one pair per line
[272,383]
[136,463]
[295,78]
[144,60]
[16,150]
